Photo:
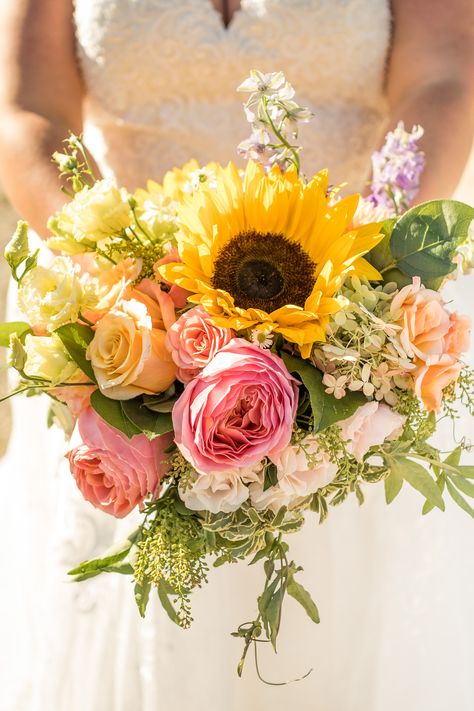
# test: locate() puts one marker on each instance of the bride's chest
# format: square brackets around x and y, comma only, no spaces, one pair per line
[181,48]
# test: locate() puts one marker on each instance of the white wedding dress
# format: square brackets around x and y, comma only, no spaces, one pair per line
[394,589]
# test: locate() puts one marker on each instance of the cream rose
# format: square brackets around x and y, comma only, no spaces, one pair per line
[217,491]
[128,355]
[54,295]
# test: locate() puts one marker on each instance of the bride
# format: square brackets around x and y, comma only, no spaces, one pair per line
[152,83]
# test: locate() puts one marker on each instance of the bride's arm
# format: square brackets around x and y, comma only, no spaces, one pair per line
[40,101]
[431,82]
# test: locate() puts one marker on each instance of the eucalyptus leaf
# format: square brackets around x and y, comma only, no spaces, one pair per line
[301,595]
[18,328]
[76,338]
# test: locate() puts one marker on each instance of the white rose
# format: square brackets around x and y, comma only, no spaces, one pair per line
[371,424]
[46,358]
[94,214]
[54,295]
[302,469]
[217,492]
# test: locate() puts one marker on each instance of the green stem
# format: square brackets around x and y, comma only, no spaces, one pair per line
[280,136]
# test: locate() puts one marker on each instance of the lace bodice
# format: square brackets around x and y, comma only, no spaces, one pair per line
[161,78]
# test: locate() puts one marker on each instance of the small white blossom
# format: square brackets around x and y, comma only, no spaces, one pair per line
[261,338]
[335,386]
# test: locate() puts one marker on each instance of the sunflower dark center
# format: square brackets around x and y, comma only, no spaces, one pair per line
[264,271]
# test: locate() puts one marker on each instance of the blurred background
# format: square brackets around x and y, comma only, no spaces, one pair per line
[8,219]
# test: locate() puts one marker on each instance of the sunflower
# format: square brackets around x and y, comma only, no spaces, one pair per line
[270,252]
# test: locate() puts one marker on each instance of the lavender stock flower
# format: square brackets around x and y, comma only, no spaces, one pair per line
[397,170]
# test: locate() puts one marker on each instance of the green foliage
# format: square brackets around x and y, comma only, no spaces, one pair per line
[76,338]
[170,556]
[112,412]
[279,581]
[423,242]
[243,532]
[17,252]
[326,409]
[271,476]
[18,328]
[112,562]
[131,417]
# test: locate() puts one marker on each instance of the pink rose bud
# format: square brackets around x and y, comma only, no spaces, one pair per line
[239,409]
[115,473]
[194,341]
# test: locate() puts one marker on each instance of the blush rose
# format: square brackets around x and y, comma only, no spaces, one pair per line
[239,409]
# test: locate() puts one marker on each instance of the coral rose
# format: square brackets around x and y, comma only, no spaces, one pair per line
[194,341]
[432,376]
[239,409]
[114,473]
[128,355]
[109,286]
[424,320]
[371,424]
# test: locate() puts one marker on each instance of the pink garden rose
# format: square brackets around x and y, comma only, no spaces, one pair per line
[115,473]
[194,341]
[239,409]
[371,424]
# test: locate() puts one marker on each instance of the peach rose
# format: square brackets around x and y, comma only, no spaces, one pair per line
[159,303]
[129,357]
[194,341]
[110,286]
[424,320]
[458,338]
[432,376]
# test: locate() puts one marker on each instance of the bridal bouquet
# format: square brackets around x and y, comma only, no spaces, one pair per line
[240,349]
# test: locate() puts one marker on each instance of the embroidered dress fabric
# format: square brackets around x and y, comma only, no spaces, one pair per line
[394,589]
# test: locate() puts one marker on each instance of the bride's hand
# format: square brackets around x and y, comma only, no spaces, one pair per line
[430,81]
[41,97]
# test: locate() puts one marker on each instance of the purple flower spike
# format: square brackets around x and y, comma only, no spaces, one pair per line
[397,169]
